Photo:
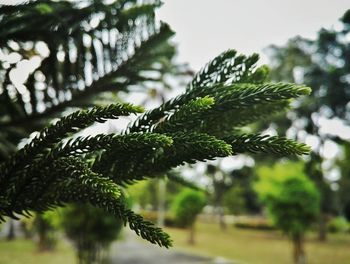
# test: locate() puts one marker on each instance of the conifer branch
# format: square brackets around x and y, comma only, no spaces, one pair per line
[186,117]
[186,148]
[121,158]
[130,142]
[224,124]
[228,67]
[53,134]
[266,144]
[226,97]
[84,189]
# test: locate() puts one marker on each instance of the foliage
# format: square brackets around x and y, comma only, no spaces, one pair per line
[324,65]
[219,183]
[27,226]
[292,201]
[46,225]
[145,193]
[187,205]
[117,44]
[338,225]
[344,182]
[244,178]
[91,230]
[84,49]
[290,197]
[233,200]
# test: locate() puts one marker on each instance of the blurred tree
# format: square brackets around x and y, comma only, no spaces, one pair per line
[292,201]
[145,193]
[92,231]
[244,179]
[46,226]
[83,49]
[220,183]
[344,182]
[233,190]
[338,224]
[187,205]
[233,200]
[324,65]
[11,230]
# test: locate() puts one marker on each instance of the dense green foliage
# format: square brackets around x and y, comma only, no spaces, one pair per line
[45,226]
[233,200]
[91,230]
[93,48]
[292,201]
[187,205]
[344,182]
[338,224]
[291,198]
[146,193]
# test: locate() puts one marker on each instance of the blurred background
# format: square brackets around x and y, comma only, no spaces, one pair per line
[242,209]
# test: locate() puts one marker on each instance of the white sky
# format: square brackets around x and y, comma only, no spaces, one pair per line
[205,28]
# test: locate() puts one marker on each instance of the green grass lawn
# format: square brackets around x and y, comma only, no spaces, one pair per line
[22,251]
[244,246]
[260,247]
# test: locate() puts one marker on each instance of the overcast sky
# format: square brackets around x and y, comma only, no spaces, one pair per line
[204,28]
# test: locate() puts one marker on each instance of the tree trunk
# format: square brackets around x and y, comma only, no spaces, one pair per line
[322,227]
[45,241]
[42,242]
[191,240]
[27,233]
[11,232]
[161,202]
[222,222]
[299,253]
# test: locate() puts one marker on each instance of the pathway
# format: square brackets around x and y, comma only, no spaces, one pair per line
[133,251]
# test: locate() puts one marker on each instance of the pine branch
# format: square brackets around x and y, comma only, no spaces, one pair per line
[28,177]
[227,68]
[58,131]
[122,143]
[225,124]
[186,148]
[129,146]
[186,117]
[82,189]
[266,144]
[67,32]
[226,97]
[56,174]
